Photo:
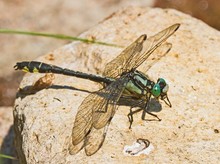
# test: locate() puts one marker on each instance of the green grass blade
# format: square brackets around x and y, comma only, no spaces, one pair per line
[7,156]
[57,36]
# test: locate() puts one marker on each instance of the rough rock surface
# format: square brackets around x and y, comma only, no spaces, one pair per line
[188,132]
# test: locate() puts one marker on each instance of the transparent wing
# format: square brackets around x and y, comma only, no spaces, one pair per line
[94,140]
[156,56]
[110,97]
[103,116]
[152,44]
[94,114]
[74,149]
[116,66]
[135,54]
[83,120]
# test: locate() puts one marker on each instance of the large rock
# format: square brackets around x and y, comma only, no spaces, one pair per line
[188,131]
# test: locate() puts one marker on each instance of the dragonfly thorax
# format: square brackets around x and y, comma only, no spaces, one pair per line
[139,84]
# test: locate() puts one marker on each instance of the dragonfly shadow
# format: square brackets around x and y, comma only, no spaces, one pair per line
[132,102]
[30,90]
[154,104]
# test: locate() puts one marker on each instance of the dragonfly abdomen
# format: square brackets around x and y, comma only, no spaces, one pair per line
[39,67]
[34,67]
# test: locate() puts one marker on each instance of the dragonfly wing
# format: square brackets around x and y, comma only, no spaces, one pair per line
[157,55]
[94,114]
[92,142]
[83,120]
[115,67]
[135,54]
[95,139]
[74,149]
[151,44]
[106,108]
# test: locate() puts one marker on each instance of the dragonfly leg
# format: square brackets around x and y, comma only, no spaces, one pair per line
[144,113]
[130,115]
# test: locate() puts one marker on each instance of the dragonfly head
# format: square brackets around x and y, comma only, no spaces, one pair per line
[160,90]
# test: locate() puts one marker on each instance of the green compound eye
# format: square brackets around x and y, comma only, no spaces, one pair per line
[156,91]
[163,85]
[161,80]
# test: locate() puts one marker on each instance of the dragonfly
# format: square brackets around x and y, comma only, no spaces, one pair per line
[120,79]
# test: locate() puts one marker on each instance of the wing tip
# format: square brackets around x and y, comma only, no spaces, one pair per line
[74,149]
[176,26]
